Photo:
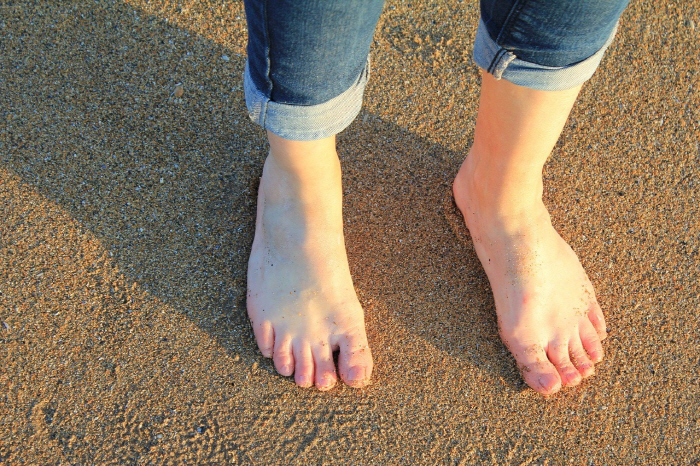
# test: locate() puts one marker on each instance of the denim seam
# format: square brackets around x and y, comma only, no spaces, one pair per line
[495,60]
[504,56]
[512,17]
[305,122]
[268,64]
[490,67]
[501,61]
[503,64]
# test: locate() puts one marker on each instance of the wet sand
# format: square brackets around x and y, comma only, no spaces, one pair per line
[127,215]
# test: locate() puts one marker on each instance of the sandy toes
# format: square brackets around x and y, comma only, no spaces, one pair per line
[548,315]
[301,300]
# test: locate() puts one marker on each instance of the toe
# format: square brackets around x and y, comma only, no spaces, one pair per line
[580,358]
[355,360]
[558,353]
[591,341]
[283,357]
[265,336]
[595,315]
[537,371]
[324,367]
[304,365]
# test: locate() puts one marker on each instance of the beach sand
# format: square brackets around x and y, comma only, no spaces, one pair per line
[127,215]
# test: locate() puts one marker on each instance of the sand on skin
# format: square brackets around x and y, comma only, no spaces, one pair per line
[127,217]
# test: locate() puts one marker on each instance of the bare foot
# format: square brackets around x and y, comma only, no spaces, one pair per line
[548,315]
[301,300]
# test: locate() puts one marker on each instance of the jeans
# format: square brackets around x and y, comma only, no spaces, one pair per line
[308,61]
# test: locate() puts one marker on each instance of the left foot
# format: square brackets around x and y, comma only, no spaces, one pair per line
[548,316]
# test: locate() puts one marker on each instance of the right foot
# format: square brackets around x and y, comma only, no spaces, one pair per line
[301,300]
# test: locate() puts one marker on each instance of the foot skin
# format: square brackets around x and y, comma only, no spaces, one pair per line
[301,300]
[548,316]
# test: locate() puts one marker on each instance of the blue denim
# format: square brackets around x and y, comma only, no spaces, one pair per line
[308,64]
[308,61]
[548,45]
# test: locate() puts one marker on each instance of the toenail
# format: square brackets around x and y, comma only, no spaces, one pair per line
[356,373]
[304,380]
[546,384]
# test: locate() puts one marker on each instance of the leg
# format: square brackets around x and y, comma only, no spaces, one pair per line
[548,315]
[547,311]
[302,85]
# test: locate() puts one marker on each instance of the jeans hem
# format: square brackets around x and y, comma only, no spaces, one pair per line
[305,122]
[503,64]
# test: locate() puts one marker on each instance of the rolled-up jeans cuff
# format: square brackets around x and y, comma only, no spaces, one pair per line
[503,64]
[305,122]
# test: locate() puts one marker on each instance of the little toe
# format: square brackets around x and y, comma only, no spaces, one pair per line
[591,341]
[283,357]
[303,365]
[325,367]
[595,315]
[559,356]
[537,371]
[355,360]
[580,358]
[265,336]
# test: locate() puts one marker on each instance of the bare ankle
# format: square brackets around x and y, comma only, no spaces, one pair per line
[504,202]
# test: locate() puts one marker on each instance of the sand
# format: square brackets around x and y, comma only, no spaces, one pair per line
[127,214]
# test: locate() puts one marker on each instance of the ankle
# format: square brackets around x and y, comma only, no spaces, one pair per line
[302,170]
[506,199]
[315,183]
[304,160]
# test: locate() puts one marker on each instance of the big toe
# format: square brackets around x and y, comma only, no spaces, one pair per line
[355,360]
[265,337]
[547,381]
[537,371]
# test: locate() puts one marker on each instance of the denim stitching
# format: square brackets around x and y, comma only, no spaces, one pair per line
[493,63]
[503,61]
[512,16]
[503,58]
[268,64]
